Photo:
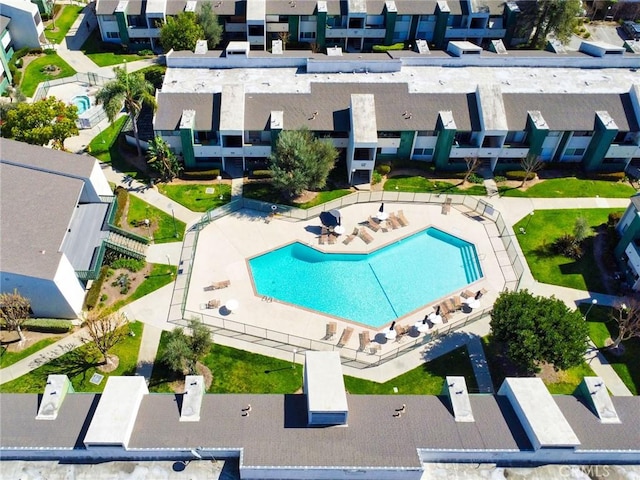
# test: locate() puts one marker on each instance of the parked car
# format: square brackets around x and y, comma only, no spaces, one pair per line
[632,29]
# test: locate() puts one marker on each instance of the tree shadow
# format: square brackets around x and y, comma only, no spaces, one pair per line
[72,364]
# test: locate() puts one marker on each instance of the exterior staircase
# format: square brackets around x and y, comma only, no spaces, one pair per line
[126,245]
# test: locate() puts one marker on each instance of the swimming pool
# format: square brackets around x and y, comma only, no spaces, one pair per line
[82,102]
[374,288]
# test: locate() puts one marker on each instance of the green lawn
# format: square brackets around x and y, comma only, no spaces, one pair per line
[265,192]
[63,23]
[104,56]
[106,147]
[195,197]
[420,184]
[34,73]
[160,276]
[168,230]
[79,365]
[9,358]
[239,371]
[542,229]
[572,188]
[601,328]
[566,383]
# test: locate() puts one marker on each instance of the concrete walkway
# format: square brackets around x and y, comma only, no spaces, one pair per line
[148,351]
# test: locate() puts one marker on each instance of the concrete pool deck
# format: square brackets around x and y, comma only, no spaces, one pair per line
[225,245]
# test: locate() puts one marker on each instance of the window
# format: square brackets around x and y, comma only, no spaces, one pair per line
[308,35]
[581,133]
[574,152]
[387,151]
[423,152]
[256,30]
[388,134]
[427,133]
[108,18]
[113,34]
[307,18]
[515,137]
[356,22]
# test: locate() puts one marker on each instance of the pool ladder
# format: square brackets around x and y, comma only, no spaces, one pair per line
[267,299]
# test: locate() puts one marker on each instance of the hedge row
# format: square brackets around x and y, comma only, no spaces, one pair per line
[261,174]
[386,48]
[201,174]
[121,198]
[93,296]
[519,175]
[48,325]
[609,176]
[131,264]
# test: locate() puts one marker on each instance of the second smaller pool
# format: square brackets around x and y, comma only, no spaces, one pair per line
[82,102]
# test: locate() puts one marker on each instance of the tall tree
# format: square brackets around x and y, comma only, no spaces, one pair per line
[212,29]
[530,164]
[131,91]
[472,166]
[538,329]
[105,330]
[41,122]
[301,162]
[627,316]
[554,17]
[14,311]
[163,160]
[183,351]
[181,32]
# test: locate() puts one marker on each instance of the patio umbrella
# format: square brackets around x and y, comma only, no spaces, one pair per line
[328,220]
[336,214]
[381,209]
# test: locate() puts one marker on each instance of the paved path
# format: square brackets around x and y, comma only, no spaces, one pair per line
[148,351]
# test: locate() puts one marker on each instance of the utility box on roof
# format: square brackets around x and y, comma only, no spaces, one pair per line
[324,387]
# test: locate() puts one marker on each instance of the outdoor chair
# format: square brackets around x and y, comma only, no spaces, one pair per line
[365,340]
[349,238]
[365,236]
[445,312]
[344,338]
[457,303]
[324,233]
[446,206]
[467,294]
[215,303]
[393,220]
[221,284]
[402,220]
[332,239]
[332,327]
[372,224]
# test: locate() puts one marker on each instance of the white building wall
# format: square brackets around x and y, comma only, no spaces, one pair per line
[99,182]
[70,289]
[26,26]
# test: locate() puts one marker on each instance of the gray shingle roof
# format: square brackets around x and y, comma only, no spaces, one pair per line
[4,22]
[171,105]
[331,101]
[594,435]
[570,111]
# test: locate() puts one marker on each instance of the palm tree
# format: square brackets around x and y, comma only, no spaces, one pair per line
[163,160]
[128,90]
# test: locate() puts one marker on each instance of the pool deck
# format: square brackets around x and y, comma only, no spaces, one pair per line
[225,245]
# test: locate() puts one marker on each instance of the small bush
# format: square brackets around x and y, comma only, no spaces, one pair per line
[91,300]
[383,169]
[48,51]
[48,325]
[519,175]
[613,219]
[261,174]
[17,77]
[104,297]
[568,246]
[201,174]
[145,52]
[376,178]
[499,178]
[131,264]
[386,48]
[581,229]
[609,176]
[477,179]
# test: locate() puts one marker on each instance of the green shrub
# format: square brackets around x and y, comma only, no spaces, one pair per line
[201,174]
[145,52]
[91,300]
[131,264]
[261,174]
[121,198]
[386,48]
[48,325]
[383,169]
[519,175]
[17,77]
[613,219]
[569,246]
[376,178]
[499,178]
[476,179]
[609,176]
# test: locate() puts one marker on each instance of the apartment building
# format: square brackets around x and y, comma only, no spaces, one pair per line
[354,25]
[25,26]
[227,118]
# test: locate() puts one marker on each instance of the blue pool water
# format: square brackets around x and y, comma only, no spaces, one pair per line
[82,102]
[374,288]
